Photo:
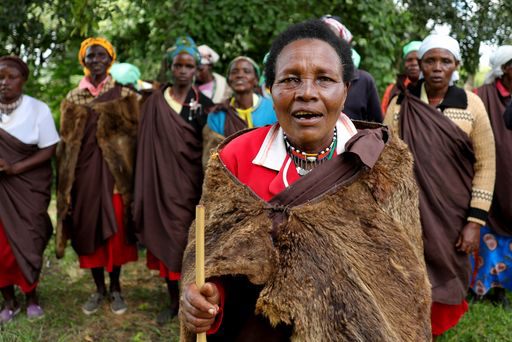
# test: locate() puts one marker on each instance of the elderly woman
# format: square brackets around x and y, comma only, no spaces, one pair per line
[411,73]
[449,135]
[311,229]
[169,173]
[494,254]
[245,109]
[95,164]
[211,84]
[27,142]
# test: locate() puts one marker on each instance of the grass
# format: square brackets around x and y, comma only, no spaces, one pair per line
[64,287]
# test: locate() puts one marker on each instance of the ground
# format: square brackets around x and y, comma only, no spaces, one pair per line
[64,288]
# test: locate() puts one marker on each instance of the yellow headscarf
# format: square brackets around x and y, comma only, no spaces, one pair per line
[95,41]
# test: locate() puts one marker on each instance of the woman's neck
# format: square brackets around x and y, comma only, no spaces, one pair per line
[243,100]
[180,92]
[313,147]
[97,79]
[6,101]
[435,96]
[507,83]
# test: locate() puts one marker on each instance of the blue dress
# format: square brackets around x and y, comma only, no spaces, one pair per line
[262,115]
[494,263]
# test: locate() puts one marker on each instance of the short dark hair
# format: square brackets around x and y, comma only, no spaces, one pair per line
[311,29]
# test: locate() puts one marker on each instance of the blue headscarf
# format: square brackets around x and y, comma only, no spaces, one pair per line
[184,44]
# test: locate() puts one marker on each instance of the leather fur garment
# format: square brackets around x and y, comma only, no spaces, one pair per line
[116,135]
[345,266]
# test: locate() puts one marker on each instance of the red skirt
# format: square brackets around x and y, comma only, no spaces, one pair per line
[10,272]
[444,316]
[116,252]
[153,263]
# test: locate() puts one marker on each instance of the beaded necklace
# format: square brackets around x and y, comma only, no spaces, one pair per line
[195,106]
[305,162]
[7,109]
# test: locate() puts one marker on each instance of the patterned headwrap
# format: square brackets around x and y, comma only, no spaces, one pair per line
[16,62]
[438,41]
[498,58]
[248,59]
[410,47]
[341,29]
[183,44]
[95,41]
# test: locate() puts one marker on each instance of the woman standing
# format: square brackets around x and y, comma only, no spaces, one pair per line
[311,227]
[448,132]
[168,175]
[211,84]
[27,142]
[95,164]
[494,254]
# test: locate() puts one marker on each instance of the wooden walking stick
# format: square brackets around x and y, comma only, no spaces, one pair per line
[201,337]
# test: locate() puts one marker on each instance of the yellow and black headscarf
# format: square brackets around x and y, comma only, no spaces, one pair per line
[95,41]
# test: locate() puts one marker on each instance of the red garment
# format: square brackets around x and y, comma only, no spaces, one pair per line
[10,272]
[117,251]
[153,263]
[444,316]
[386,98]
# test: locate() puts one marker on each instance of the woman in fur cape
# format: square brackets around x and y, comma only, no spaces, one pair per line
[312,226]
[95,173]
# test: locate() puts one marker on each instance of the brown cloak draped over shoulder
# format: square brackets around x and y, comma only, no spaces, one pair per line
[24,202]
[338,254]
[443,166]
[500,215]
[168,180]
[97,150]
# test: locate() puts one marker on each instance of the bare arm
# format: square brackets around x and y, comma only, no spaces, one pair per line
[27,164]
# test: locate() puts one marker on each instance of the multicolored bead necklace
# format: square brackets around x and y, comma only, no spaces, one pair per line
[305,162]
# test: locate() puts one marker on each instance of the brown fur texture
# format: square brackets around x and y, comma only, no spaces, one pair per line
[117,138]
[347,266]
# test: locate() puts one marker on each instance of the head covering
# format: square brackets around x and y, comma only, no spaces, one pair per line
[498,58]
[95,41]
[356,58]
[183,44]
[410,47]
[438,41]
[17,63]
[208,55]
[342,30]
[125,73]
[248,59]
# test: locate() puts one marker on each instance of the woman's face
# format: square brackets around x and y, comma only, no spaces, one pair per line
[242,77]
[11,83]
[411,66]
[438,66]
[308,92]
[183,69]
[97,60]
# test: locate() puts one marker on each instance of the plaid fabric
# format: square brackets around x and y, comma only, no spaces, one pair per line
[83,96]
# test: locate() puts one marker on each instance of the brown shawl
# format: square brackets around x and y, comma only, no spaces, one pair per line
[443,166]
[97,150]
[500,215]
[337,255]
[168,180]
[24,202]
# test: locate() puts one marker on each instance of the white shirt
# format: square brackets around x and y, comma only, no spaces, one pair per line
[32,123]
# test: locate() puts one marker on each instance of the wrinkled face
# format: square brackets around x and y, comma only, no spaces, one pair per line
[438,66]
[11,83]
[412,66]
[309,91]
[97,60]
[242,76]
[203,73]
[183,69]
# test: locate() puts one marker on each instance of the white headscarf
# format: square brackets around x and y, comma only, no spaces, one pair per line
[437,41]
[498,58]
[208,56]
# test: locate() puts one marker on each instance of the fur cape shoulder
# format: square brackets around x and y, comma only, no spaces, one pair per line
[345,266]
[117,137]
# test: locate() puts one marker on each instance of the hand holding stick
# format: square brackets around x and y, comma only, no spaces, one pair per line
[201,337]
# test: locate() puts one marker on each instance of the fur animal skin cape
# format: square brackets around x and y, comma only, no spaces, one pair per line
[347,265]
[117,137]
